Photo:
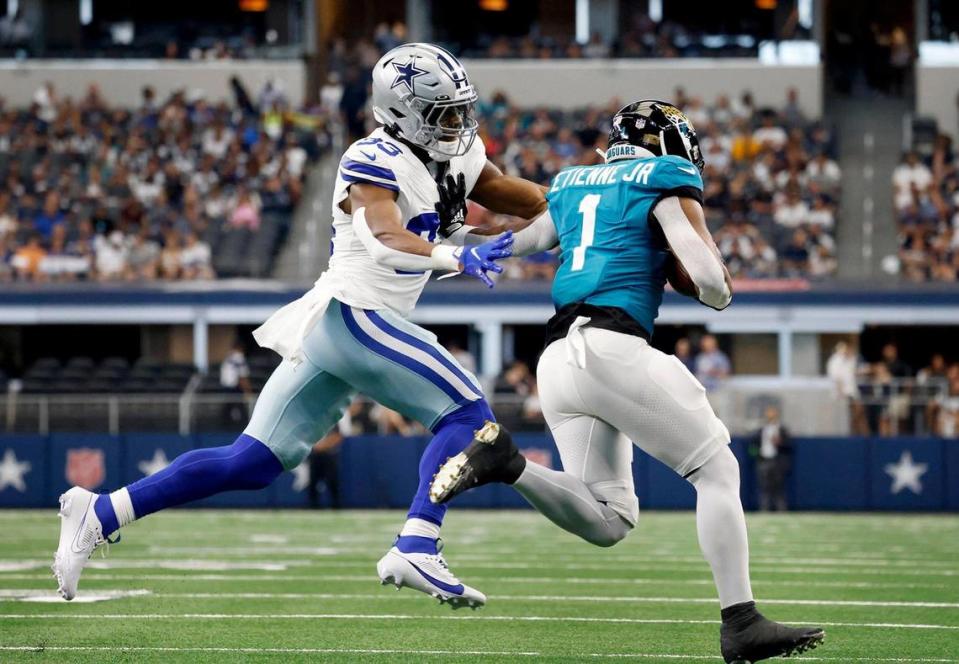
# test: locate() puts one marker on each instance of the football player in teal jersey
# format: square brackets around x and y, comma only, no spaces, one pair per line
[624,228]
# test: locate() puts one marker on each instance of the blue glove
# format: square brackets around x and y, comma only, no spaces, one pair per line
[479,260]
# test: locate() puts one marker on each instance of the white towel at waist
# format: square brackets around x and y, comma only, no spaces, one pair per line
[286,329]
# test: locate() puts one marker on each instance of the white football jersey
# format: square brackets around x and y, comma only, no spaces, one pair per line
[382,160]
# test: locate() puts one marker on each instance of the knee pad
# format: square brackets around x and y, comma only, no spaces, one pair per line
[618,496]
[721,469]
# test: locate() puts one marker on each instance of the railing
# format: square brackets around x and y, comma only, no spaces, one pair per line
[899,406]
[187,413]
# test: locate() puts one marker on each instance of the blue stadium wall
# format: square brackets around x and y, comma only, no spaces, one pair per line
[851,474]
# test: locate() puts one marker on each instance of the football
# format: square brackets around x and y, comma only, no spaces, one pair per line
[679,279]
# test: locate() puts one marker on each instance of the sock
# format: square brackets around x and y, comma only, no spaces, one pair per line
[721,525]
[415,544]
[246,464]
[420,528]
[567,501]
[114,510]
[451,435]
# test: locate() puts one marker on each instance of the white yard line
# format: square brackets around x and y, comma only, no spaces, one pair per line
[385,651]
[573,598]
[282,651]
[404,616]
[760,580]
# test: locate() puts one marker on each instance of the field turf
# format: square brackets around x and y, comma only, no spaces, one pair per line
[297,586]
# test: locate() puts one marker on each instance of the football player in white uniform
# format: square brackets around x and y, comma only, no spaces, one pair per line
[398,214]
[624,228]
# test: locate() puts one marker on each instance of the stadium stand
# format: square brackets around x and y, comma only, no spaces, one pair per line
[97,192]
[772,181]
[926,200]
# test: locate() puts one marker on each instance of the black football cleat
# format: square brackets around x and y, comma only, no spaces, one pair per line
[758,638]
[491,457]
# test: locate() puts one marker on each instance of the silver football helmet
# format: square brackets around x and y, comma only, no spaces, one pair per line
[422,92]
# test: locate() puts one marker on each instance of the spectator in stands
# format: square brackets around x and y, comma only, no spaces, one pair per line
[769,134]
[823,171]
[171,265]
[516,379]
[771,446]
[935,371]
[166,169]
[896,367]
[246,211]
[324,465]
[712,364]
[143,259]
[235,380]
[26,260]
[111,256]
[910,179]
[795,257]
[196,259]
[842,369]
[463,356]
[683,351]
[943,412]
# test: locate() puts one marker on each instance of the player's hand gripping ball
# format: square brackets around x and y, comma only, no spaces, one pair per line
[679,279]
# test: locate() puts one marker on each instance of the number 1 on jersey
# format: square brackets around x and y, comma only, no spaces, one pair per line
[587,208]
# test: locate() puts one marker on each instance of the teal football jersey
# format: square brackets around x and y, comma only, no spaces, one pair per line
[609,254]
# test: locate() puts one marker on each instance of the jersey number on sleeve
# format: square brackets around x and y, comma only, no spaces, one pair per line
[587,208]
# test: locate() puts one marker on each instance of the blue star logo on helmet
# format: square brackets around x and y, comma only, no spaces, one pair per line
[405,73]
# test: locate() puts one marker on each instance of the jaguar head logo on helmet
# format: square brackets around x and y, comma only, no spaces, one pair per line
[656,126]
[421,93]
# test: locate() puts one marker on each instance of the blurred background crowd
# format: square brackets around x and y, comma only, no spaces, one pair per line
[174,189]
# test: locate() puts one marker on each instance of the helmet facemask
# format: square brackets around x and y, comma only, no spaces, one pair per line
[448,129]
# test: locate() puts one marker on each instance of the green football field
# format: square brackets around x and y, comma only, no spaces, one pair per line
[285,586]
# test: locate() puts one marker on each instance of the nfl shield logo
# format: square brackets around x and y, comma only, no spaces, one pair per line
[85,467]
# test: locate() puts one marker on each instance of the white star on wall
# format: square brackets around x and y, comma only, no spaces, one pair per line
[905,474]
[12,472]
[301,476]
[154,465]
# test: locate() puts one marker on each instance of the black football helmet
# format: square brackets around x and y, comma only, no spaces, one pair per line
[656,126]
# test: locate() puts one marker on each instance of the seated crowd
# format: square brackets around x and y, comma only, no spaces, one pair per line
[772,184]
[926,200]
[174,189]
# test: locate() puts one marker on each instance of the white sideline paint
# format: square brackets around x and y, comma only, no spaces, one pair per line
[384,651]
[575,598]
[591,581]
[405,616]
[51,597]
[283,651]
[165,563]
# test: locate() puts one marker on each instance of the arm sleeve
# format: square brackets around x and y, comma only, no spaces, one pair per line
[696,257]
[540,235]
[444,257]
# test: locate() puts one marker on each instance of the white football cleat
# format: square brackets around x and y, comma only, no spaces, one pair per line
[80,535]
[428,573]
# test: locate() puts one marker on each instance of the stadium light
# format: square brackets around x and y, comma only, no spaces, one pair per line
[86,12]
[582,21]
[656,10]
[804,7]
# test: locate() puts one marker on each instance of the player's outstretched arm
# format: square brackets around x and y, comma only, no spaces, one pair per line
[378,224]
[684,225]
[503,194]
